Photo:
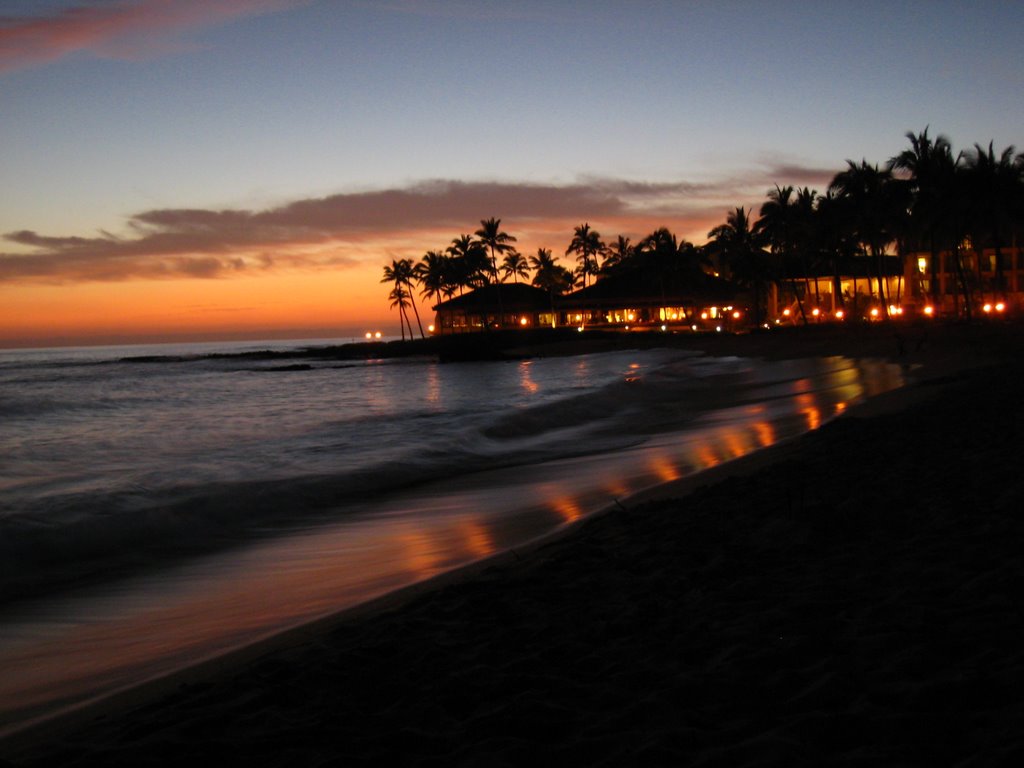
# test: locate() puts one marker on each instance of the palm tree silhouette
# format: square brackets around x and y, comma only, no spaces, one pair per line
[469,267]
[835,239]
[400,298]
[433,273]
[401,273]
[497,241]
[937,202]
[873,206]
[550,276]
[621,251]
[469,263]
[586,244]
[993,185]
[779,226]
[514,265]
[932,170]
[738,248]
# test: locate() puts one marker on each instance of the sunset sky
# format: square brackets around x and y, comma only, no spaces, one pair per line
[244,168]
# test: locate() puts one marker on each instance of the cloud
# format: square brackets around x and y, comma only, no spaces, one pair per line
[130,29]
[783,171]
[345,230]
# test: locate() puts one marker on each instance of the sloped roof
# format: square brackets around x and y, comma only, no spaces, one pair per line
[514,297]
[638,286]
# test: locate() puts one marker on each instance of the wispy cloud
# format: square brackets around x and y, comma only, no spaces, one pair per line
[344,230]
[130,29]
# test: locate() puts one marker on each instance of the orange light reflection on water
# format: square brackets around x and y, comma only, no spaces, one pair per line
[421,557]
[706,456]
[478,540]
[809,407]
[765,433]
[568,509]
[737,443]
[665,469]
[525,381]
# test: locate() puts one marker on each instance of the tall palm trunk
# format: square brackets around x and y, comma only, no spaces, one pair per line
[412,301]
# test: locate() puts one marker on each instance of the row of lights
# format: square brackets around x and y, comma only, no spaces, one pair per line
[894,311]
[929,311]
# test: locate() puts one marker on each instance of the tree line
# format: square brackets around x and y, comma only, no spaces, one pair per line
[925,199]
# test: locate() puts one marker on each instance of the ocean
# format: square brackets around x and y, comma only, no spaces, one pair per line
[161,505]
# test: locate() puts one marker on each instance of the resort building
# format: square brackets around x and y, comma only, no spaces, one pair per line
[635,301]
[626,302]
[821,295]
[994,285]
[992,279]
[506,305]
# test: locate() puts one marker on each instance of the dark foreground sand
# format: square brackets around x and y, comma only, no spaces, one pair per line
[859,601]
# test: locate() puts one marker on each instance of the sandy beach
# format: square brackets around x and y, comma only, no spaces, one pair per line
[850,598]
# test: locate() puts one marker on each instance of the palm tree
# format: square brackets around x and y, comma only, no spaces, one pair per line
[400,298]
[497,241]
[401,273]
[932,173]
[806,234]
[779,226]
[550,275]
[835,240]
[738,249]
[433,273]
[514,265]
[621,251]
[469,263]
[873,206]
[468,267]
[994,191]
[586,244]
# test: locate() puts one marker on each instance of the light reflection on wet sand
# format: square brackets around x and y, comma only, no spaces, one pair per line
[71,649]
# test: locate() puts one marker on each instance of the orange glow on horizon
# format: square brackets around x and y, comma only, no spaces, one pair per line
[170,309]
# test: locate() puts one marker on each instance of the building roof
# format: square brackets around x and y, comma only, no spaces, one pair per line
[514,297]
[638,287]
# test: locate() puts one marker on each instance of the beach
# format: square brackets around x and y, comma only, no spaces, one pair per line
[851,597]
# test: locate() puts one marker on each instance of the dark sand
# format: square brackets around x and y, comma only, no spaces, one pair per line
[854,600]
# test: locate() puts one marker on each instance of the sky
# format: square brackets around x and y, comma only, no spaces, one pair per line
[220,169]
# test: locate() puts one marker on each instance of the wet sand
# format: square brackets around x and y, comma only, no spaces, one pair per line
[853,597]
